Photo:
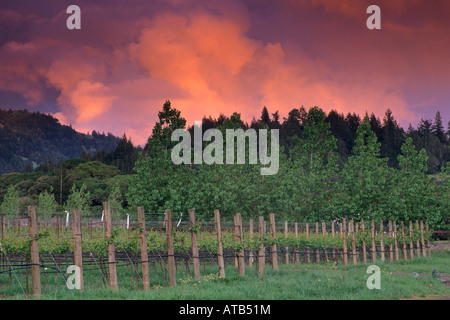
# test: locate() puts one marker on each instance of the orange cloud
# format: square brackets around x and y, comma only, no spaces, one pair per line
[91,100]
[220,69]
[222,57]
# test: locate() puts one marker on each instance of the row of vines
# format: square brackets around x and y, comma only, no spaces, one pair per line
[50,243]
[56,244]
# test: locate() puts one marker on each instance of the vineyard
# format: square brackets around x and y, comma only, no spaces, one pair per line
[43,250]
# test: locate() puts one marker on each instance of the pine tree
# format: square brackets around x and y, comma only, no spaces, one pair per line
[265,118]
[392,139]
[437,128]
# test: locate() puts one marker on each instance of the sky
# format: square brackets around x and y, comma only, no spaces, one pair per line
[222,56]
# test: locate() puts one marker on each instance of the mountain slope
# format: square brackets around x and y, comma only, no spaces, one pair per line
[30,138]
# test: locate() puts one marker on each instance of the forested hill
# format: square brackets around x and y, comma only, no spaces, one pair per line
[28,139]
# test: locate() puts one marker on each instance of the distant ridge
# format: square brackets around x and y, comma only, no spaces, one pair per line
[27,139]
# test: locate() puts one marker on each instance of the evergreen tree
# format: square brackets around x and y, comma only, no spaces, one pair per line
[393,138]
[265,118]
[425,126]
[376,126]
[342,132]
[437,128]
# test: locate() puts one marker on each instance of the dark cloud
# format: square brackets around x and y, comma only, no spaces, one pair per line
[219,56]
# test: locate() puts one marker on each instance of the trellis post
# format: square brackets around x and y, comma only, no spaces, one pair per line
[143,247]
[220,261]
[170,249]
[77,249]
[111,247]
[34,252]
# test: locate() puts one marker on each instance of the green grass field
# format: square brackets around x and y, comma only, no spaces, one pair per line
[292,282]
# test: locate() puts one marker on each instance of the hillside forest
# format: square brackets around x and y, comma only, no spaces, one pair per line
[331,166]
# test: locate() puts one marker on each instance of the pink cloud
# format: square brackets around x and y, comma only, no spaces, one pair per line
[116,74]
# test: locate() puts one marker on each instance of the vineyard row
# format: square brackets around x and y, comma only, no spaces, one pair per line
[254,245]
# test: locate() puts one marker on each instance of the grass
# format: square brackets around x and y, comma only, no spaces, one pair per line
[292,282]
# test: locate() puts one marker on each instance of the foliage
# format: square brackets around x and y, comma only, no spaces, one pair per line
[92,169]
[364,181]
[47,204]
[127,241]
[330,166]
[115,200]
[78,199]
[10,202]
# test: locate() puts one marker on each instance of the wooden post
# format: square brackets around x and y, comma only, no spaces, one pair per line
[417,241]
[262,249]
[111,248]
[220,261]
[411,244]
[374,247]
[391,246]
[333,234]
[235,233]
[324,232]
[143,246]
[297,256]
[383,258]
[396,241]
[170,249]
[286,254]
[57,227]
[194,243]
[345,248]
[34,252]
[422,239]
[77,250]
[250,254]
[3,224]
[405,255]
[428,239]
[317,250]
[352,230]
[364,252]
[308,258]
[273,234]
[239,231]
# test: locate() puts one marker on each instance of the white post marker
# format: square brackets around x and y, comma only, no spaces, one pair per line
[67,218]
[128,221]
[181,216]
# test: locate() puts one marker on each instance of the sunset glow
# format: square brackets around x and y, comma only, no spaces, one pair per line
[212,57]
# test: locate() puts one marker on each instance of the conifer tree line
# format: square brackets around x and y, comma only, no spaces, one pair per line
[331,166]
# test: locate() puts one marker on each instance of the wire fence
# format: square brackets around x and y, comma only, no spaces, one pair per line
[289,242]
